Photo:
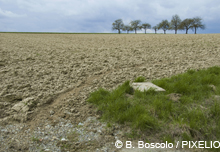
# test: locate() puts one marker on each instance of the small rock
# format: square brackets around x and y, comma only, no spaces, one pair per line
[202,107]
[63,139]
[213,87]
[79,83]
[99,116]
[80,124]
[51,112]
[217,97]
[67,112]
[128,95]
[23,105]
[17,107]
[72,110]
[77,115]
[175,97]
[54,138]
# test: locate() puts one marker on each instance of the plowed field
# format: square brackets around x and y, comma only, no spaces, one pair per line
[56,70]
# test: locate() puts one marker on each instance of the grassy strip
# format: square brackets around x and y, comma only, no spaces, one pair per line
[195,116]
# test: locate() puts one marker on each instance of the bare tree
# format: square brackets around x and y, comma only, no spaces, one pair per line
[197,23]
[135,25]
[146,26]
[164,25]
[127,28]
[118,25]
[175,23]
[155,29]
[186,24]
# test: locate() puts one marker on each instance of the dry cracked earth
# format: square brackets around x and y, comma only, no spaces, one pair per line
[45,80]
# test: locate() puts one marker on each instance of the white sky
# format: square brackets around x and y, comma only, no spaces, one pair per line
[98,15]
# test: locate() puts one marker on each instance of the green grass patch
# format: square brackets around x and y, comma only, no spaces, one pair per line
[140,79]
[35,139]
[195,116]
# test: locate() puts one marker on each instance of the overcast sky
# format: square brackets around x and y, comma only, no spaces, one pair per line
[98,15]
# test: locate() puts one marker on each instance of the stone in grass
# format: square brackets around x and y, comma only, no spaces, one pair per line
[217,97]
[141,86]
[175,97]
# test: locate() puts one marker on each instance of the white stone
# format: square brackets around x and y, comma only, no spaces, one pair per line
[141,86]
[63,139]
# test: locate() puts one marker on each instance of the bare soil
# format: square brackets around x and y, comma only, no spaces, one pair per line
[57,72]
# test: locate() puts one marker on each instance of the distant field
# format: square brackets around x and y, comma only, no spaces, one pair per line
[53,33]
[69,33]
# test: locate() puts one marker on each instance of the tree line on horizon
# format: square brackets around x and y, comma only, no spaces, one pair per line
[175,24]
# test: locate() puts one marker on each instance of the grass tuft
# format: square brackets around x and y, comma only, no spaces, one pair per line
[140,79]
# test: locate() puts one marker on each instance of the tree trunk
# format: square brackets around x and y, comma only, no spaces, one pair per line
[119,31]
[164,31]
[135,31]
[186,31]
[176,28]
[145,31]
[195,30]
